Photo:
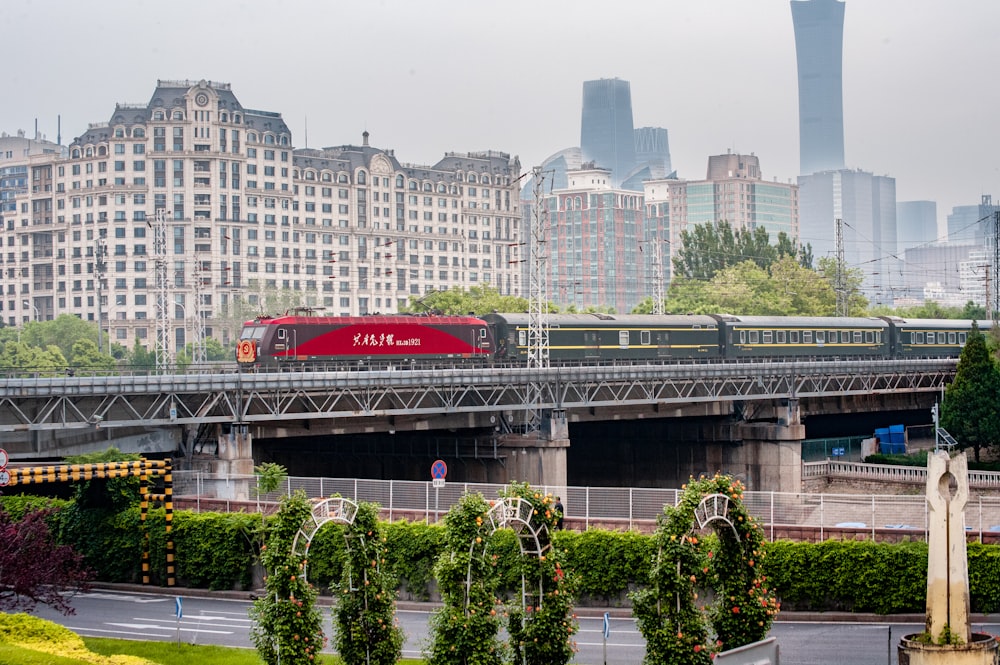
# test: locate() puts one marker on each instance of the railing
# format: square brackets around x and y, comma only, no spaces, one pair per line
[882,517]
[889,473]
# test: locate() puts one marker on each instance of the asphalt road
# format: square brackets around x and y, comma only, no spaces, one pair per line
[213,620]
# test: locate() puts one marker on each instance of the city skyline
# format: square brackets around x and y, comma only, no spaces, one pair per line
[914,105]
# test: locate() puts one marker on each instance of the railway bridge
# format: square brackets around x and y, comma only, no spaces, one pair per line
[744,417]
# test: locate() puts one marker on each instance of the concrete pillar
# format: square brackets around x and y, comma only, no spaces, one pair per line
[771,454]
[539,458]
[235,458]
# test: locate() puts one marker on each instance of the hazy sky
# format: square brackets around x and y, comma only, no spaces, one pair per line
[921,96]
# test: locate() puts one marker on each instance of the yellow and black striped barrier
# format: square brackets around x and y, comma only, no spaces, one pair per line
[145,469]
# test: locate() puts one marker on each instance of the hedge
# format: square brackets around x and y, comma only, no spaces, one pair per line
[219,551]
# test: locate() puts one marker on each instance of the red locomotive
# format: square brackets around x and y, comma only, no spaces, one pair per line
[297,339]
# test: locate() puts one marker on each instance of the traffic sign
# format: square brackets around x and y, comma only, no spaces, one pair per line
[4,477]
[179,608]
[439,469]
[4,458]
[607,625]
[437,483]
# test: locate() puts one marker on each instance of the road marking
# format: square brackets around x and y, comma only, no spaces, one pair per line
[206,617]
[136,626]
[129,599]
[116,632]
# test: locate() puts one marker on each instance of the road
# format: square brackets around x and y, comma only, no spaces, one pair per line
[142,616]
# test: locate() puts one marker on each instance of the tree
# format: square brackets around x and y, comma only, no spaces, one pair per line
[140,358]
[24,359]
[86,357]
[63,332]
[709,248]
[214,352]
[33,568]
[478,300]
[969,411]
[853,279]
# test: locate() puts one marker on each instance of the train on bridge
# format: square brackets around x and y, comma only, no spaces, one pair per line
[300,339]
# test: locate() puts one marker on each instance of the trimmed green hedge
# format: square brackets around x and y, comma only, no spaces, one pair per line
[219,551]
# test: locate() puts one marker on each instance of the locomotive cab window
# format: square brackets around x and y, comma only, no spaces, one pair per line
[482,333]
[622,338]
[281,333]
[644,337]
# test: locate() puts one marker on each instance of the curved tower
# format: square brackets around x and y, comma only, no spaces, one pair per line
[819,47]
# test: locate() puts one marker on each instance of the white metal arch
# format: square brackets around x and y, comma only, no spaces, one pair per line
[715,508]
[336,509]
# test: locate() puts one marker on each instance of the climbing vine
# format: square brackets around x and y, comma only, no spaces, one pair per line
[364,618]
[287,627]
[677,625]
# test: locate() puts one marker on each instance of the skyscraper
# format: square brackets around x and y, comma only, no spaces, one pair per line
[607,137]
[819,47]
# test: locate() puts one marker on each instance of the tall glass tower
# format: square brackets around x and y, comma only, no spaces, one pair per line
[606,133]
[819,48]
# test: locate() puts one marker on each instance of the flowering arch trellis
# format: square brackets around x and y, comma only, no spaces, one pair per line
[541,625]
[676,627]
[364,621]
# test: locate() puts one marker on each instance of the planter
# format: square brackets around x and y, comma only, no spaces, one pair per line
[981,650]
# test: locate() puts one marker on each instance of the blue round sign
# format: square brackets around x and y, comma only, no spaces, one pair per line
[439,469]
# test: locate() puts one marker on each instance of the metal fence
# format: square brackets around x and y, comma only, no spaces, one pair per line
[875,516]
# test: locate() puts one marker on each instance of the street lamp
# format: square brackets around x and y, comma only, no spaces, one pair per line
[38,316]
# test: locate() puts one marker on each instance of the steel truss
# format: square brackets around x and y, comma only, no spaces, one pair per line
[155,401]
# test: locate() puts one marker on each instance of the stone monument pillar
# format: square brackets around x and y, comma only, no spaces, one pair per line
[948,637]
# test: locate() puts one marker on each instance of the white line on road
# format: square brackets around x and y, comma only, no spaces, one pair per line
[130,599]
[84,631]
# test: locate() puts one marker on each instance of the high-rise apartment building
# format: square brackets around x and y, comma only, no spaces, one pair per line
[819,46]
[733,191]
[607,136]
[252,224]
[593,250]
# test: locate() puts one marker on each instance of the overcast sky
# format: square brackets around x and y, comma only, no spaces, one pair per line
[425,77]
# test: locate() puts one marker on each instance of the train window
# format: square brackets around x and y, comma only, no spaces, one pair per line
[961,338]
[754,336]
[820,336]
[522,338]
[781,336]
[767,336]
[807,337]
[930,338]
[482,331]
[793,337]
[743,337]
[281,333]
[833,337]
[951,338]
[645,336]
[918,337]
[623,338]
[869,337]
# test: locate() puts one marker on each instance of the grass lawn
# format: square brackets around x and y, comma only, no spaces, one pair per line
[170,653]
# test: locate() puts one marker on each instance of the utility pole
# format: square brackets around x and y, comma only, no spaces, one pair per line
[198,351]
[658,286]
[100,268]
[164,360]
[538,304]
[992,311]
[843,308]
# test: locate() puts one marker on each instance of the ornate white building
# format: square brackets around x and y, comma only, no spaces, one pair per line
[251,224]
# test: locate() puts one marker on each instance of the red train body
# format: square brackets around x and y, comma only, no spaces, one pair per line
[293,339]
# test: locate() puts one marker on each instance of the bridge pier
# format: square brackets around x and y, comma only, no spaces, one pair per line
[235,461]
[539,458]
[771,452]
